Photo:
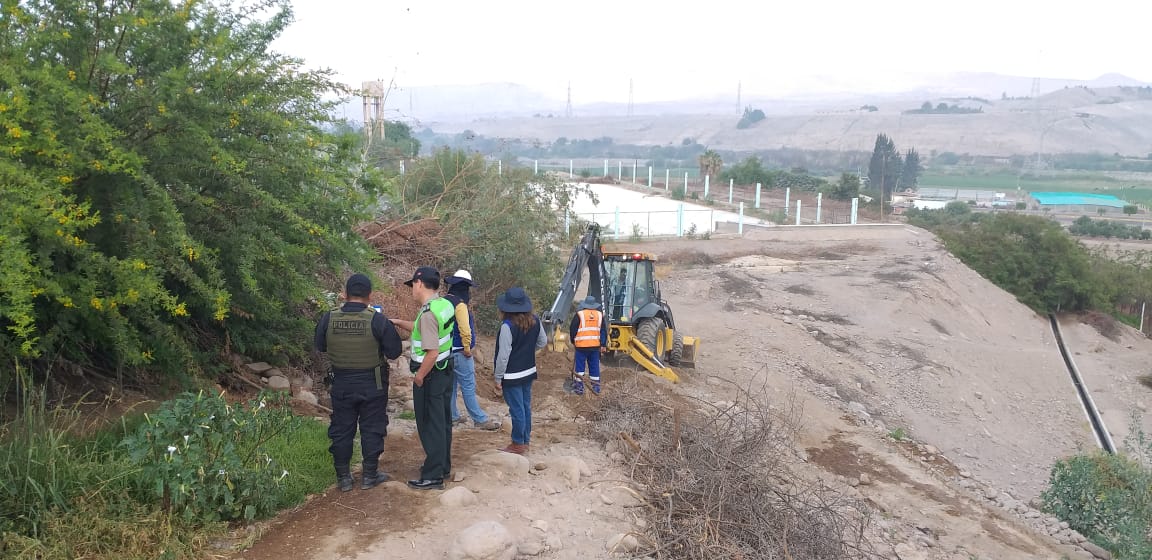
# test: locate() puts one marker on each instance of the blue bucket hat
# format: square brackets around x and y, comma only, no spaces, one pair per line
[515,300]
[590,303]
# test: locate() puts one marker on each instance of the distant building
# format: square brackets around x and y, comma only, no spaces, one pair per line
[1075,203]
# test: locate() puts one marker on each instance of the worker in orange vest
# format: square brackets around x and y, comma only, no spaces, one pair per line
[589,333]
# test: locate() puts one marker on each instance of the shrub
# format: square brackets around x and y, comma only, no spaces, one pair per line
[1107,498]
[205,459]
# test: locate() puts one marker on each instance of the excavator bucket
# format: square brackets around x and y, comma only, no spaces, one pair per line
[643,356]
[691,350]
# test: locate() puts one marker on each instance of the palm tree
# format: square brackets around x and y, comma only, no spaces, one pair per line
[710,164]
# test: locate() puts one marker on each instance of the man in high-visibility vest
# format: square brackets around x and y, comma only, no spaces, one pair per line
[431,367]
[589,333]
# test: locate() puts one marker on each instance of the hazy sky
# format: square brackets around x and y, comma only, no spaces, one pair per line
[680,49]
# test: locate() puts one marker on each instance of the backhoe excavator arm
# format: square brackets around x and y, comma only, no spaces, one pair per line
[586,254]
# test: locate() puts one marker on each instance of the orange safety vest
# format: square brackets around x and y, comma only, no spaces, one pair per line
[588,335]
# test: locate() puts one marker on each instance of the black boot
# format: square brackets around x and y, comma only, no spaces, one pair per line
[371,477]
[344,478]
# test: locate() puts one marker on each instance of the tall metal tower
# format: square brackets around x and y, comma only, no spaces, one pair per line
[568,109]
[630,99]
[373,94]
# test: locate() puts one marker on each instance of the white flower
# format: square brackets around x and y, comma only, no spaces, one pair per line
[213,417]
[171,449]
[222,472]
[261,404]
[283,474]
[185,440]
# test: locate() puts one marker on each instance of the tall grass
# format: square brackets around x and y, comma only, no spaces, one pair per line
[67,490]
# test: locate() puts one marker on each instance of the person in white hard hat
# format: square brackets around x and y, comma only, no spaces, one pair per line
[463,343]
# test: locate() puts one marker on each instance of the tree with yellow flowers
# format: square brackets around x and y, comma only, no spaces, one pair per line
[166,184]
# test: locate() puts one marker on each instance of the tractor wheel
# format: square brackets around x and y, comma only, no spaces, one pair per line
[677,349]
[647,331]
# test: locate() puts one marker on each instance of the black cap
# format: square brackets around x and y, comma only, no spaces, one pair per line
[426,274]
[358,285]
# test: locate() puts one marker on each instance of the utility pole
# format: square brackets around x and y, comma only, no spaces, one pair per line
[630,99]
[568,110]
[373,95]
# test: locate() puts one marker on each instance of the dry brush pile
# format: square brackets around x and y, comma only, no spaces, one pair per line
[720,483]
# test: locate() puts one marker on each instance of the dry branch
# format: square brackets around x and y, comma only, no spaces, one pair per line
[719,483]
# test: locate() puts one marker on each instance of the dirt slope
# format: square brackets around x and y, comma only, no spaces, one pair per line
[872,332]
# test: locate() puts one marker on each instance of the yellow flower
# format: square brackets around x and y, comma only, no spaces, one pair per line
[66,35]
[146,355]
[244,102]
[72,75]
[65,301]
[161,108]
[64,179]
[15,132]
[3,107]
[141,21]
[139,82]
[36,291]
[97,165]
[59,233]
[180,310]
[219,315]
[96,304]
[233,121]
[132,296]
[139,265]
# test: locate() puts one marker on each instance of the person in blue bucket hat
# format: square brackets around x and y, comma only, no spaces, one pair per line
[519,338]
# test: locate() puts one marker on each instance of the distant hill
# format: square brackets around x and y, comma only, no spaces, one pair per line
[1110,114]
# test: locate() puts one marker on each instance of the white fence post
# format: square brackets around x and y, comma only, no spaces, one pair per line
[706,181]
[499,167]
[633,172]
[740,222]
[571,169]
[855,206]
[797,211]
[680,220]
[605,168]
[619,169]
[649,176]
[685,183]
[819,202]
[758,195]
[730,183]
[667,178]
[787,199]
[535,167]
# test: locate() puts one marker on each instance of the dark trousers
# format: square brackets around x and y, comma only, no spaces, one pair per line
[356,400]
[434,422]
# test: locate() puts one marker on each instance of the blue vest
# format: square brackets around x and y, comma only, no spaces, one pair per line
[522,360]
[457,342]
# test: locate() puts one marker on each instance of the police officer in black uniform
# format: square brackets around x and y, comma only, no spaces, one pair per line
[357,339]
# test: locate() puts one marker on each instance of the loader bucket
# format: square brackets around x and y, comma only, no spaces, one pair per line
[691,350]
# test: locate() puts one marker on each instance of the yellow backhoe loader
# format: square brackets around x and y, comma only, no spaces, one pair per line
[640,323]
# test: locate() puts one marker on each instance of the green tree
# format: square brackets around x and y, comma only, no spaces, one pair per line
[884,168]
[507,229]
[710,164]
[911,169]
[165,186]
[847,188]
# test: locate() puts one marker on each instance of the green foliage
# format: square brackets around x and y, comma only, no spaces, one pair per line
[1028,256]
[71,489]
[203,458]
[507,229]
[155,202]
[846,189]
[886,166]
[926,108]
[748,172]
[751,116]
[1131,209]
[1107,498]
[1088,227]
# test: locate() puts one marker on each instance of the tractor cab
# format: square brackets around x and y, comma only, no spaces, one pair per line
[631,285]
